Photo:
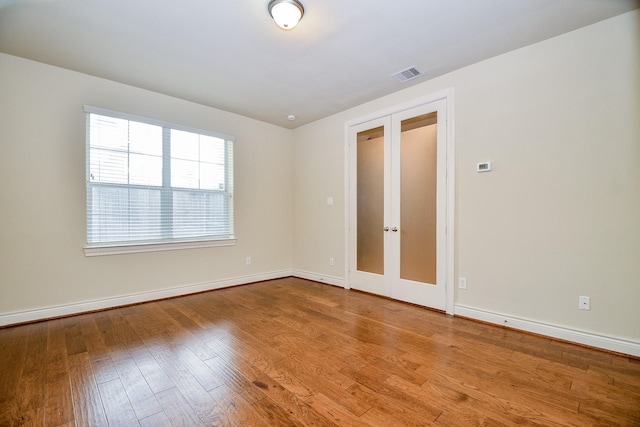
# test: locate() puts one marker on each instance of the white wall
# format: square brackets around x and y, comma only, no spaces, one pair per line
[42,192]
[558,217]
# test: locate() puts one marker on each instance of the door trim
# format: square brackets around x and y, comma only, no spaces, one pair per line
[446,95]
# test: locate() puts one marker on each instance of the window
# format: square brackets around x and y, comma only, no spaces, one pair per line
[150,182]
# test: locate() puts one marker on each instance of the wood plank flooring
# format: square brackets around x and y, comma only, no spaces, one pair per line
[291,352]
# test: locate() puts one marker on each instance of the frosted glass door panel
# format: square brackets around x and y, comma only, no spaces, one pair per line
[397,205]
[418,207]
[370,201]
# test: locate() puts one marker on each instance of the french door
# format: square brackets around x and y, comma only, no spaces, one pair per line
[398,205]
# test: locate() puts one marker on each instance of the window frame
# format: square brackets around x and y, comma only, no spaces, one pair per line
[124,247]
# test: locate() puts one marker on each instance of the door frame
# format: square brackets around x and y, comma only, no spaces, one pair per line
[447,96]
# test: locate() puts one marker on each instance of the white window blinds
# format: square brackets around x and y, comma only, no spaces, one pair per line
[152,182]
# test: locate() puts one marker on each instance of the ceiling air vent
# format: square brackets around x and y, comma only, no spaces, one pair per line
[406,75]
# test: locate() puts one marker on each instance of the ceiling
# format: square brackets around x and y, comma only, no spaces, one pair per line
[230,55]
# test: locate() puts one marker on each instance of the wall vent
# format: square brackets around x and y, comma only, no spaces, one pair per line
[406,75]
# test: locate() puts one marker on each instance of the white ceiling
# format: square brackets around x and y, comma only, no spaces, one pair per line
[230,55]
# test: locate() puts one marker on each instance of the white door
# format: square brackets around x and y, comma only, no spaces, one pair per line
[397,212]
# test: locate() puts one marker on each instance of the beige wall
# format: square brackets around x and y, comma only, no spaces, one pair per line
[558,217]
[42,191]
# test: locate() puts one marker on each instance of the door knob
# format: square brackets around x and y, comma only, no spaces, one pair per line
[386,228]
[394,229]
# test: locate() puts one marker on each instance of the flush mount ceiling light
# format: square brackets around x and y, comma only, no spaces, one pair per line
[286,13]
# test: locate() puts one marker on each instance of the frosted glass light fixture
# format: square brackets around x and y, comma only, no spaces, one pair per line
[286,13]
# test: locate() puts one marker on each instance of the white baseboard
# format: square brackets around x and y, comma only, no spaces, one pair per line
[593,340]
[331,280]
[101,304]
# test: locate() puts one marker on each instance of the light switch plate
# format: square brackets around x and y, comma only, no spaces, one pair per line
[584,303]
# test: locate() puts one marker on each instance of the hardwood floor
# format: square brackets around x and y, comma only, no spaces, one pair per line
[292,352]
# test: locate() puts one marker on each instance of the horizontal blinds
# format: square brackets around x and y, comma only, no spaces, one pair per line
[151,183]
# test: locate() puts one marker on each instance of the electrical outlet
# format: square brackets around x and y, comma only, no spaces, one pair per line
[462,282]
[331,261]
[584,303]
[248,261]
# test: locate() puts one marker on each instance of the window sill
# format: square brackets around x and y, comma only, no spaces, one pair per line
[154,247]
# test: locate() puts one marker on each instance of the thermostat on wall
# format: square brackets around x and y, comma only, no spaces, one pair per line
[484,167]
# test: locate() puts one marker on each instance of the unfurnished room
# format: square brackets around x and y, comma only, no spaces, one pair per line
[319,212]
